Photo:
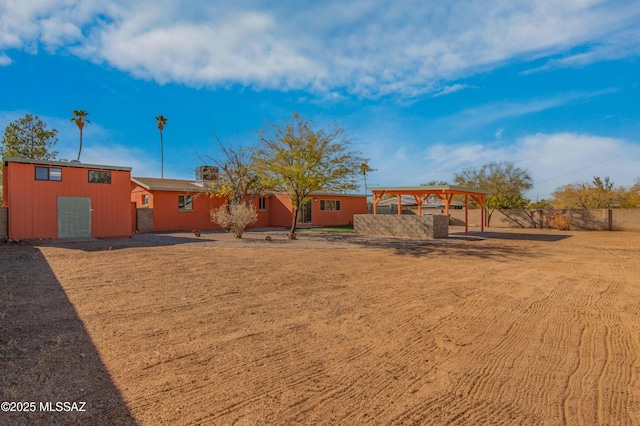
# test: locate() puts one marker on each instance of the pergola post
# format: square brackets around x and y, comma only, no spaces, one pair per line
[466,213]
[399,204]
[482,214]
[419,203]
[377,196]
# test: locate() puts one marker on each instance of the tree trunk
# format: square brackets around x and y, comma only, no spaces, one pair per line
[294,223]
[489,214]
[161,157]
[80,150]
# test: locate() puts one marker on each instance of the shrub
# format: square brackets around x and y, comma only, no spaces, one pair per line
[236,218]
[559,221]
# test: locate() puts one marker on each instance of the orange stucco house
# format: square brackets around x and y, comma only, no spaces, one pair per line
[54,199]
[182,205]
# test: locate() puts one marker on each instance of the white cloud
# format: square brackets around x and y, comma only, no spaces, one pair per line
[366,48]
[619,45]
[553,160]
[451,89]
[4,60]
[490,113]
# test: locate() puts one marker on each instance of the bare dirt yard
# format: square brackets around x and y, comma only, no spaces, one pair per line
[516,327]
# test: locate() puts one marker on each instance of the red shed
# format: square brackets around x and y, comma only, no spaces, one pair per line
[54,199]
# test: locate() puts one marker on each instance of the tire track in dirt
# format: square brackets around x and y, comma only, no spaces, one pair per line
[616,377]
[607,353]
[480,384]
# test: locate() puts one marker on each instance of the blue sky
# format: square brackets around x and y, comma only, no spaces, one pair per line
[424,89]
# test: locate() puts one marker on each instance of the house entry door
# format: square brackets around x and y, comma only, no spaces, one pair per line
[304,212]
[74,217]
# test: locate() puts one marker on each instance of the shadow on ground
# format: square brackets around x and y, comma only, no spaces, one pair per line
[463,246]
[516,236]
[46,354]
[138,240]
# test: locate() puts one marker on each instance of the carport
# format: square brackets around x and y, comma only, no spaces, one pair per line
[443,192]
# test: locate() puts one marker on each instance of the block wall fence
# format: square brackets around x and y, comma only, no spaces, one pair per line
[580,219]
[4,223]
[144,220]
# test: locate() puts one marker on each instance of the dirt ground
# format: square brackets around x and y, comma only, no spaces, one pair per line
[514,327]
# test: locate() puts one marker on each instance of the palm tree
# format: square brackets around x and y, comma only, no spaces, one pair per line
[80,118]
[364,169]
[162,121]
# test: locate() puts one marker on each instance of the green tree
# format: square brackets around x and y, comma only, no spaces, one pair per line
[298,159]
[28,137]
[505,182]
[80,118]
[162,121]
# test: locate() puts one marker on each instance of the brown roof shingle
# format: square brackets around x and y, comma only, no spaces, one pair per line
[156,184]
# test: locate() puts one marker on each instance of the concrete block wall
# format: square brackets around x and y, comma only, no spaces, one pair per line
[412,226]
[580,219]
[4,223]
[625,220]
[144,220]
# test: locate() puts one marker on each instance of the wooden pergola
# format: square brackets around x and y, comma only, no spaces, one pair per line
[443,192]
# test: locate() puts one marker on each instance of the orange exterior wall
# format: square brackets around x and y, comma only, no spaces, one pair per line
[33,204]
[167,217]
[348,207]
[281,210]
[263,216]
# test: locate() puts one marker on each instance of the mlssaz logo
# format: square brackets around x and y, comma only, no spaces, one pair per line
[62,406]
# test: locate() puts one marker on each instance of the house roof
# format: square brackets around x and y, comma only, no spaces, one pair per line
[335,194]
[76,164]
[157,184]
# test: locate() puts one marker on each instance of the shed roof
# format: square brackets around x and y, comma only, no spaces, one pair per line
[76,164]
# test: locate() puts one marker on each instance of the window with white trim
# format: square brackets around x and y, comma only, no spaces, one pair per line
[185,203]
[145,200]
[330,205]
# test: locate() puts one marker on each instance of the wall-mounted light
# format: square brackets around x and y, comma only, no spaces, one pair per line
[315,199]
